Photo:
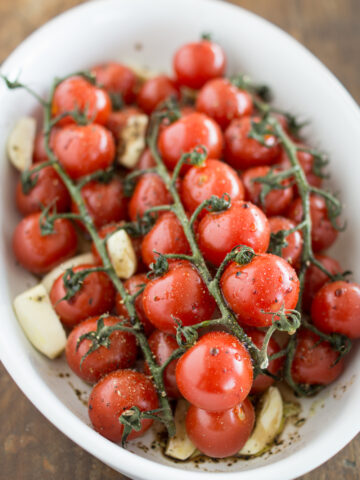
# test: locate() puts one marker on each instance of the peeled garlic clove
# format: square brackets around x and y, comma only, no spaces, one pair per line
[39,321]
[268,422]
[20,145]
[143,73]
[180,446]
[122,254]
[132,140]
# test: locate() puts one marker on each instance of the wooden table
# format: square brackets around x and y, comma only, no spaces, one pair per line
[30,447]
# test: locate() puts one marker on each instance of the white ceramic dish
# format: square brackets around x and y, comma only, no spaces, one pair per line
[147,32]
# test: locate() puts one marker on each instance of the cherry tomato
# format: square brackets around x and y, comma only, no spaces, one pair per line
[132,285]
[117,120]
[223,101]
[77,93]
[276,201]
[146,160]
[314,360]
[198,62]
[241,224]
[105,202]
[82,150]
[40,253]
[120,354]
[116,393]
[263,381]
[116,78]
[220,434]
[162,346]
[187,133]
[150,191]
[266,284]
[292,252]
[212,178]
[180,294]
[95,297]
[315,278]
[243,152]
[336,308]
[49,190]
[166,236]
[39,153]
[323,234]
[155,91]
[306,161]
[216,373]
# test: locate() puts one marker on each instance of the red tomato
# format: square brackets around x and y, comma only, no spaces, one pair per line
[198,62]
[292,251]
[187,133]
[276,201]
[116,78]
[241,224]
[48,190]
[336,308]
[323,234]
[315,278]
[265,284]
[212,178]
[77,93]
[223,101]
[40,253]
[216,373]
[121,353]
[117,120]
[242,152]
[132,285]
[116,393]
[82,150]
[162,346]
[263,381]
[314,360]
[155,91]
[105,202]
[306,161]
[146,160]
[150,191]
[179,294]
[166,236]
[95,297]
[39,154]
[220,434]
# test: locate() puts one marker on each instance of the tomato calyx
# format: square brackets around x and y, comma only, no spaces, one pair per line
[73,281]
[244,82]
[131,419]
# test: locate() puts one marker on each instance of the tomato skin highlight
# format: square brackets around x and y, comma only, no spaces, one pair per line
[162,346]
[323,234]
[105,202]
[223,101]
[220,434]
[243,152]
[41,253]
[336,308]
[314,361]
[212,178]
[132,285]
[216,373]
[96,296]
[241,224]
[48,190]
[121,353]
[277,201]
[166,236]
[265,284]
[155,91]
[116,78]
[187,133]
[292,252]
[150,191]
[116,393]
[179,293]
[83,150]
[198,62]
[77,93]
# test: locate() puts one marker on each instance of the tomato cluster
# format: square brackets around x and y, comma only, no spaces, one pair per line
[216,373]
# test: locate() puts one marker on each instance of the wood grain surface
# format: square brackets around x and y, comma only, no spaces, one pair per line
[30,447]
